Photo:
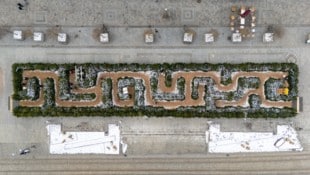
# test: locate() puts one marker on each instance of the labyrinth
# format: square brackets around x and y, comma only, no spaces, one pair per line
[180,89]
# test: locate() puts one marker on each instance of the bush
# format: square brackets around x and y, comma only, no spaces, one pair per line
[50,109]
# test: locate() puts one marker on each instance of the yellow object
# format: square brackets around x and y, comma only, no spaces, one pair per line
[283,91]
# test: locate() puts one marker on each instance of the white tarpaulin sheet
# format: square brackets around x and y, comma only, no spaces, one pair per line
[84,142]
[231,142]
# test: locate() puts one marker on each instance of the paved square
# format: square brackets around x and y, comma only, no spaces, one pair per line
[126,22]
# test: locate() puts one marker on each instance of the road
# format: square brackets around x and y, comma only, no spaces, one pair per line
[272,163]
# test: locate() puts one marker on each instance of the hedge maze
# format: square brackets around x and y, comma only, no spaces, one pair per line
[179,90]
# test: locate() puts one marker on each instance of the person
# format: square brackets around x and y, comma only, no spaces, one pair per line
[20,6]
[157,33]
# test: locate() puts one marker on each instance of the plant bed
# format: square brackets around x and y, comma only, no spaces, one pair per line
[179,89]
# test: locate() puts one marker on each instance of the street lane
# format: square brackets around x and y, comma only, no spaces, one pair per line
[272,163]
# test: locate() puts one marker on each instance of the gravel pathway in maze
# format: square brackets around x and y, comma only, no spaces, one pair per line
[188,101]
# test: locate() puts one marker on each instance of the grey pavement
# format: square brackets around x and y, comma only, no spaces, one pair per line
[167,37]
[208,13]
[145,136]
[250,164]
[126,21]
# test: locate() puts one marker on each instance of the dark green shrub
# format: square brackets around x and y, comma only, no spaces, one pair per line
[50,109]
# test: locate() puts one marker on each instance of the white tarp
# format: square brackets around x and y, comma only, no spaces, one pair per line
[84,142]
[232,142]
[268,37]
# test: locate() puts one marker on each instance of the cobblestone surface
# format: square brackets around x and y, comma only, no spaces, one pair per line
[79,19]
[149,12]
[168,38]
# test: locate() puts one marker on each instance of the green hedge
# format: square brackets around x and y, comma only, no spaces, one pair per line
[120,111]
[148,111]
[20,111]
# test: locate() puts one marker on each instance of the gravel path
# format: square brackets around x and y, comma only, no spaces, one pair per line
[188,101]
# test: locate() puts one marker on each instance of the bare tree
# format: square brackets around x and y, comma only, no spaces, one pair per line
[53,32]
[215,33]
[96,33]
[28,32]
[4,31]
[277,30]
[166,14]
